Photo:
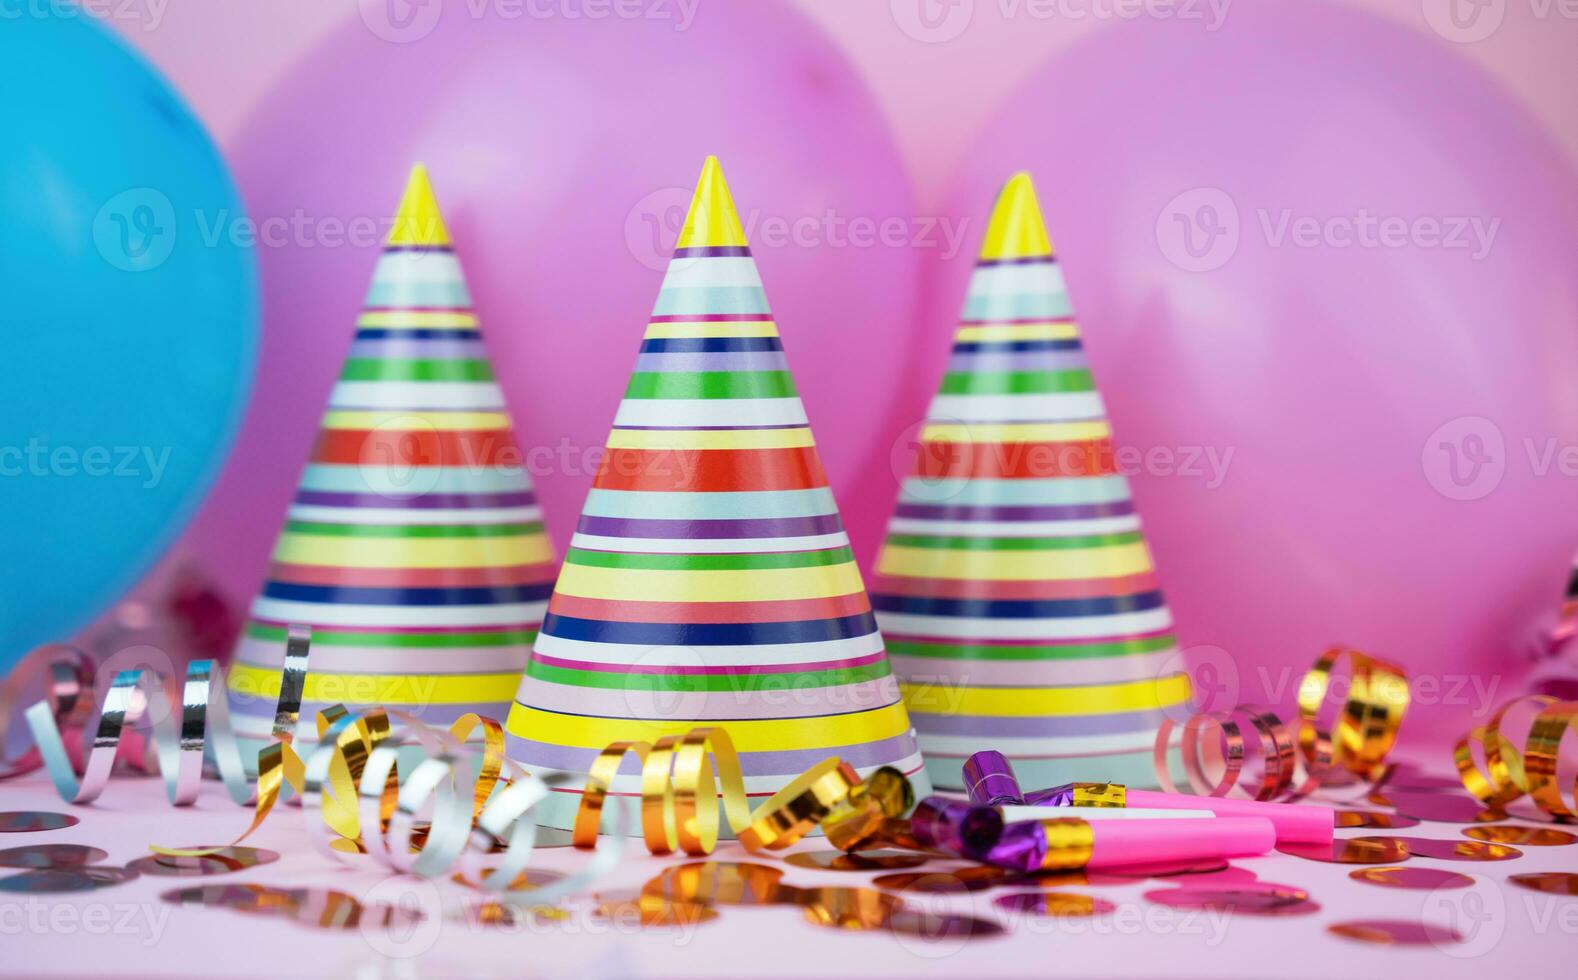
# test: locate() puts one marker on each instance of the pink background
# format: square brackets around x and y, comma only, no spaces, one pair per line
[227,55]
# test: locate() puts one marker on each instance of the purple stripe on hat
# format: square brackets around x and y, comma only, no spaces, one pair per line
[712,251]
[429,500]
[1025,260]
[967,512]
[765,527]
[790,763]
[1026,360]
[1037,726]
[741,360]
[415,347]
[710,318]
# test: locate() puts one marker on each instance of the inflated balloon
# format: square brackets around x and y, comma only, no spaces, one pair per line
[1324,272]
[564,149]
[129,321]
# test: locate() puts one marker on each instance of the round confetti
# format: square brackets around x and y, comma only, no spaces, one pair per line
[1214,869]
[1395,932]
[654,912]
[245,898]
[1439,807]
[972,879]
[1374,818]
[1354,850]
[1418,879]
[1062,905]
[65,880]
[223,861]
[858,861]
[51,856]
[1249,899]
[1506,833]
[941,926]
[720,883]
[1550,882]
[32,821]
[1459,850]
[849,908]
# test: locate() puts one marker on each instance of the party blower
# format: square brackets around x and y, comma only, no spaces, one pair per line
[980,833]
[990,781]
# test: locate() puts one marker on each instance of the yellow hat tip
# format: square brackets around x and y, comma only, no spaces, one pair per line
[418,222]
[712,221]
[1016,230]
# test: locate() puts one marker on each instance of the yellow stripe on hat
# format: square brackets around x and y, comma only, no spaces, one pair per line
[988,432]
[462,421]
[710,585]
[418,320]
[1023,702]
[710,439]
[1016,230]
[390,689]
[765,735]
[1049,330]
[712,220]
[349,552]
[684,329]
[1018,566]
[418,222]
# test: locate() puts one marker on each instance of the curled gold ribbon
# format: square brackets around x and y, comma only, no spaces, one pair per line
[681,775]
[1319,756]
[1509,774]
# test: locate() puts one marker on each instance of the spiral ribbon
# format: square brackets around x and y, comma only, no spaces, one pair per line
[1508,773]
[1317,754]
[353,793]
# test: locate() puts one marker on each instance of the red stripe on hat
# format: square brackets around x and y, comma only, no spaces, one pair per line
[423,447]
[711,470]
[1080,588]
[1015,460]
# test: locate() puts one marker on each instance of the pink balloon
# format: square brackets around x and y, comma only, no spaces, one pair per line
[563,152]
[1332,249]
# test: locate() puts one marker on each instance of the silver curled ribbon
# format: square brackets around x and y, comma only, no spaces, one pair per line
[350,786]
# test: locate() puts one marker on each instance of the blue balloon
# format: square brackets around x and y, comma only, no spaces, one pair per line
[128,321]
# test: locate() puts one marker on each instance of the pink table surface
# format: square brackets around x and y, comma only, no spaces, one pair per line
[126,930]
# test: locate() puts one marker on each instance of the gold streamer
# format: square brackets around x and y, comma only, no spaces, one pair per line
[678,772]
[1321,754]
[1509,774]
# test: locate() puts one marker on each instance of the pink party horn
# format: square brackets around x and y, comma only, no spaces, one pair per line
[990,779]
[977,832]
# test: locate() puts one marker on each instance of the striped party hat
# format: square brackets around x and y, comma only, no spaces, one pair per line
[1015,587]
[710,581]
[414,547]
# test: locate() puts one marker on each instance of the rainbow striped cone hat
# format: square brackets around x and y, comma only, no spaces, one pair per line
[710,581]
[414,547]
[1015,587]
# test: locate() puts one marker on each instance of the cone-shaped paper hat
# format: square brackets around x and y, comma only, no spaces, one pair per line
[1015,588]
[710,580]
[415,547]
